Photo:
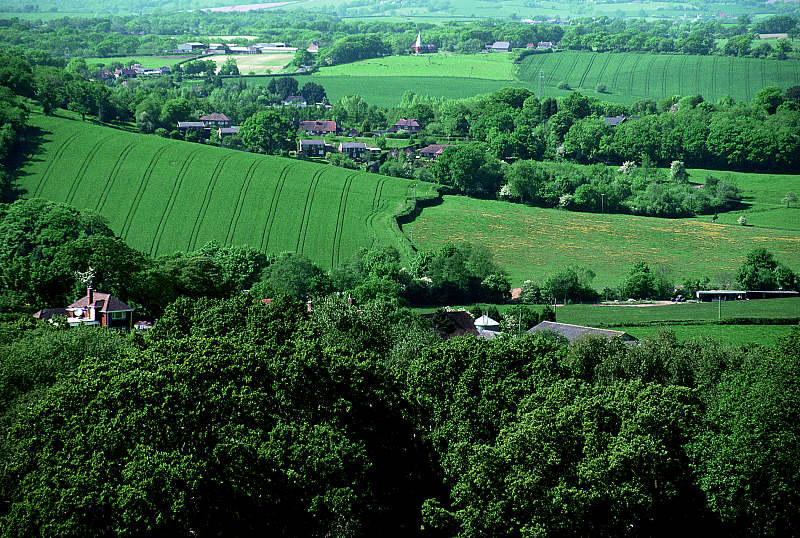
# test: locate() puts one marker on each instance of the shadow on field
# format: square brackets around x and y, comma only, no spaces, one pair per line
[30,150]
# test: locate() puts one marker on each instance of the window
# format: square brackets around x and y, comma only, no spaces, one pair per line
[117,315]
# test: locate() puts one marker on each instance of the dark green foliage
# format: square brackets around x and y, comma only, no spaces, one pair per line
[268,132]
[761,271]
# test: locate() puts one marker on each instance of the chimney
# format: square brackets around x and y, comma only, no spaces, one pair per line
[90,295]
[308,305]
[349,300]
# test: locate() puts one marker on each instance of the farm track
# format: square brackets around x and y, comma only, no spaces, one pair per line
[201,215]
[615,83]
[681,73]
[310,193]
[273,208]
[714,77]
[112,177]
[56,157]
[126,225]
[599,78]
[73,188]
[337,232]
[173,195]
[549,80]
[376,201]
[568,74]
[633,72]
[237,211]
[664,78]
[697,74]
[650,63]
[586,71]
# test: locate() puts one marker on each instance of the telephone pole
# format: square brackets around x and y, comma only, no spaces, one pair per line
[541,81]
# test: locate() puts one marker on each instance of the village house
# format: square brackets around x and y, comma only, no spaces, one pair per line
[544,45]
[96,309]
[297,101]
[199,127]
[318,127]
[222,132]
[313,47]
[216,120]
[354,150]
[433,151]
[613,121]
[410,125]
[191,47]
[312,148]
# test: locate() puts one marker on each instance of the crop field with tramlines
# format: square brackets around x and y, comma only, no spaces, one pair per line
[640,75]
[163,196]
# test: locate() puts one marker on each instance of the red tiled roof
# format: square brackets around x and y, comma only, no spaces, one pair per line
[435,149]
[403,122]
[105,302]
[329,126]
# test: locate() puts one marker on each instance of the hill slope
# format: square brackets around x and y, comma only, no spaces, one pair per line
[164,196]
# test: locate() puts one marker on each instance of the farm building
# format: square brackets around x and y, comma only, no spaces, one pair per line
[318,127]
[773,36]
[354,150]
[451,324]
[544,45]
[576,332]
[500,46]
[191,47]
[312,148]
[313,47]
[433,151]
[95,308]
[191,126]
[410,125]
[217,48]
[222,132]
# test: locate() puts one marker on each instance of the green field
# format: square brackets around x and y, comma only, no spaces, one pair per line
[164,196]
[766,335]
[639,76]
[443,64]
[763,195]
[532,242]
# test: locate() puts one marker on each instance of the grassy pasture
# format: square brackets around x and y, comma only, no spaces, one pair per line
[259,64]
[148,62]
[655,76]
[531,242]
[443,64]
[766,335]
[164,196]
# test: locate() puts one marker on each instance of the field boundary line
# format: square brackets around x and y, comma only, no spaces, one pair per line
[46,174]
[714,77]
[532,66]
[633,72]
[112,176]
[173,195]
[201,215]
[599,78]
[237,211]
[588,68]
[140,191]
[337,233]
[73,188]
[376,200]
[310,194]
[697,73]
[273,208]
[747,76]
[648,75]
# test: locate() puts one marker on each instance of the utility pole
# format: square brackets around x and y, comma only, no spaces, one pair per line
[66,54]
[719,309]
[602,203]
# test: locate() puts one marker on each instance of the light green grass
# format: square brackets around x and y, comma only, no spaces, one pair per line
[639,75]
[763,195]
[765,335]
[164,196]
[532,243]
[443,64]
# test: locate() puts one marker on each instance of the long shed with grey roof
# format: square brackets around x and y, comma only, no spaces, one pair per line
[576,332]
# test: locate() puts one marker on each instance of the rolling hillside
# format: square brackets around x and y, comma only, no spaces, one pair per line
[164,196]
[655,76]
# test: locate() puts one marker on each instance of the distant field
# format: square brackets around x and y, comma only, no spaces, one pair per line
[655,76]
[259,64]
[765,335]
[164,196]
[482,66]
[763,193]
[532,242]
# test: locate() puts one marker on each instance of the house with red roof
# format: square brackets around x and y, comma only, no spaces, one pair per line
[404,124]
[433,151]
[101,309]
[318,127]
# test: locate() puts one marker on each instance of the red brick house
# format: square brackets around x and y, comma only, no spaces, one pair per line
[102,309]
[318,127]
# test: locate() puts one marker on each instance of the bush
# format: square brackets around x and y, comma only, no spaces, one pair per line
[601,88]
[563,85]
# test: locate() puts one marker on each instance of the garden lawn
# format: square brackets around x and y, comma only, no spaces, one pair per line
[531,243]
